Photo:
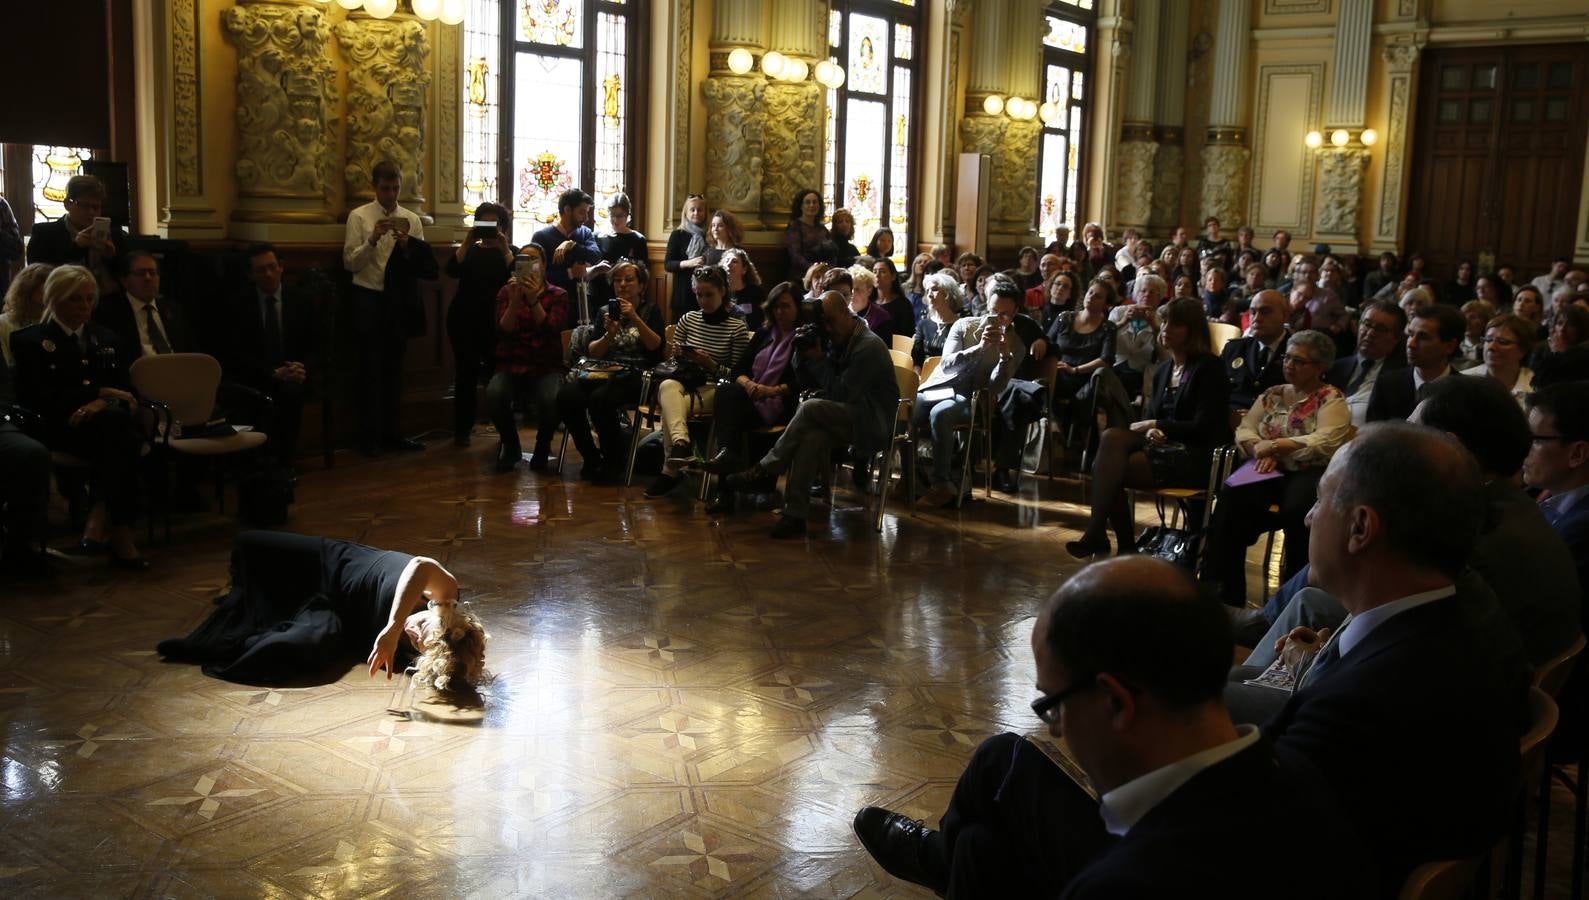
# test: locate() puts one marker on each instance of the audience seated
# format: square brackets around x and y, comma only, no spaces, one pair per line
[629,343]
[709,338]
[1475,315]
[24,304]
[75,238]
[1379,330]
[841,228]
[891,297]
[881,246]
[946,303]
[1433,336]
[856,406]
[723,233]
[482,264]
[1129,661]
[138,312]
[1253,362]
[1187,417]
[73,373]
[1137,332]
[1565,354]
[1386,273]
[1085,341]
[981,353]
[530,317]
[1508,341]
[1291,432]
[24,490]
[746,294]
[1551,282]
[271,348]
[761,390]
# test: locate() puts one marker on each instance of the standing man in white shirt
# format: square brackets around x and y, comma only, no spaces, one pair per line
[386,252]
[1550,282]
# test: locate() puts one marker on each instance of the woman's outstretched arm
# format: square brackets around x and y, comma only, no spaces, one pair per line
[423,580]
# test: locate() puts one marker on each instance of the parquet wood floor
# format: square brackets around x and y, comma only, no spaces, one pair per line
[681,706]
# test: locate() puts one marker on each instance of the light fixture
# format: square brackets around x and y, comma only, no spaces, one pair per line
[350,4]
[772,63]
[1050,113]
[429,10]
[1369,137]
[1339,137]
[1021,108]
[993,104]
[452,12]
[795,70]
[830,74]
[740,61]
[1314,140]
[380,9]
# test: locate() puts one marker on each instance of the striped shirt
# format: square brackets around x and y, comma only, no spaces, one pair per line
[725,342]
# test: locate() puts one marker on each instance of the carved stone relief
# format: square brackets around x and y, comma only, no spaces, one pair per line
[286,98]
[388,80]
[1340,189]
[448,123]
[983,134]
[1134,187]
[1168,165]
[1400,58]
[733,142]
[1014,203]
[792,145]
[185,98]
[684,27]
[1225,183]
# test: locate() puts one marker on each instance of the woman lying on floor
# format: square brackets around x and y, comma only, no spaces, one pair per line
[300,605]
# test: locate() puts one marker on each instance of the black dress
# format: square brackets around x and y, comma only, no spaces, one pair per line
[299,607]
[472,327]
[1078,348]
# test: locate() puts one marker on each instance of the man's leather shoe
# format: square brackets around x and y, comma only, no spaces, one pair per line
[750,481]
[902,846]
[724,462]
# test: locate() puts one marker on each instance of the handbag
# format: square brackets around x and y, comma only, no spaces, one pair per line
[1172,464]
[588,369]
[693,376]
[1173,545]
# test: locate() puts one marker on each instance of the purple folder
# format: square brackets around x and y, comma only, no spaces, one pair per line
[1249,474]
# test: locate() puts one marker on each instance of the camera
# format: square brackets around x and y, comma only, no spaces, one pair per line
[812,332]
[613,311]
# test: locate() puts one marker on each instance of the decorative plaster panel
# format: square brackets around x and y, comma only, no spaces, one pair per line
[683,25]
[733,142]
[1340,189]
[388,80]
[791,145]
[448,139]
[1295,7]
[1225,182]
[1279,156]
[1169,166]
[1134,185]
[187,153]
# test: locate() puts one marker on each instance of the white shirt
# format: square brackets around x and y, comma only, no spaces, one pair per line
[141,319]
[1364,623]
[1358,402]
[1548,286]
[368,264]
[1418,381]
[1123,807]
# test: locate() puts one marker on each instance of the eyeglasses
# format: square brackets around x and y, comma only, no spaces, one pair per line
[1500,341]
[1296,360]
[1542,438]
[1046,707]
[1375,328]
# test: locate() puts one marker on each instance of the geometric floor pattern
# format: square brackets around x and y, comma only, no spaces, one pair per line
[681,706]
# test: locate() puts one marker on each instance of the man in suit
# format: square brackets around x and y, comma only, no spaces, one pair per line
[147,321]
[386,252]
[72,239]
[1433,337]
[271,347]
[1379,329]
[1412,709]
[1254,362]
[24,491]
[1128,661]
[1558,462]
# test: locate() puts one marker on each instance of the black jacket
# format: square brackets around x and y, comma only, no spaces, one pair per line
[404,272]
[682,297]
[1198,415]
[115,312]
[1247,379]
[1394,395]
[1340,373]
[244,357]
[50,242]
[54,377]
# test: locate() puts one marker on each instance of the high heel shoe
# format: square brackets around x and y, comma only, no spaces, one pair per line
[1084,548]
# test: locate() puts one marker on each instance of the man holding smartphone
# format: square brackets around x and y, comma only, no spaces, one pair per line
[482,264]
[386,252]
[83,236]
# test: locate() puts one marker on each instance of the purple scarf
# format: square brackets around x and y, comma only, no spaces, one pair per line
[770,363]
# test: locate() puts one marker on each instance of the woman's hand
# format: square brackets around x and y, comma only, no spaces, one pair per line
[1154,436]
[612,326]
[692,262]
[1066,368]
[626,310]
[1264,465]
[1145,426]
[384,654]
[702,358]
[87,411]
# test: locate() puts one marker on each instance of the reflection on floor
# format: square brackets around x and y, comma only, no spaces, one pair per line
[681,707]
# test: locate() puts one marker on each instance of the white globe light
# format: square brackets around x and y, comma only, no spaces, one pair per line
[452,12]
[350,4]
[1339,137]
[837,79]
[740,61]
[795,70]
[993,104]
[380,9]
[1369,137]
[1314,139]
[1016,107]
[772,63]
[824,72]
[427,9]
[1049,112]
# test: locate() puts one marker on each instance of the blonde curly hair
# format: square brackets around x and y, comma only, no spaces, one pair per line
[456,657]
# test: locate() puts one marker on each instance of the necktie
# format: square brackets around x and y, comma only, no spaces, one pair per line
[1328,656]
[157,338]
[1263,357]
[272,332]
[1364,368]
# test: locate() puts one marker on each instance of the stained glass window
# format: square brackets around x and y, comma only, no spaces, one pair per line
[868,163]
[52,168]
[1059,182]
[547,105]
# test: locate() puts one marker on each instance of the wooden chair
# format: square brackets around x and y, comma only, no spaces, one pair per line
[902,358]
[1220,333]
[1218,470]
[929,365]
[981,407]
[648,409]
[562,448]
[902,441]
[1551,676]
[902,344]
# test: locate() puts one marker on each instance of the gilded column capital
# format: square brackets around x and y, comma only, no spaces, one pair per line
[1401,57]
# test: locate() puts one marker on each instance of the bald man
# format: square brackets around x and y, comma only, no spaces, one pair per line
[1253,361]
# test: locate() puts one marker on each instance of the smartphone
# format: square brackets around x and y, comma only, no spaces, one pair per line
[613,312]
[398,224]
[485,232]
[524,266]
[101,227]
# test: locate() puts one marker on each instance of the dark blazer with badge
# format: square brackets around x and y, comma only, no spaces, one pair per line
[1247,378]
[115,312]
[54,377]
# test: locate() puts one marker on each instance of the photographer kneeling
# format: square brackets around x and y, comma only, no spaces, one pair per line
[855,407]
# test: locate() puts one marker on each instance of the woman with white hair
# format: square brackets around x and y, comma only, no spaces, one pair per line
[863,302]
[945,302]
[1137,331]
[73,373]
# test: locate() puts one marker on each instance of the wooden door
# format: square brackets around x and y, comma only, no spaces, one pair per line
[1498,164]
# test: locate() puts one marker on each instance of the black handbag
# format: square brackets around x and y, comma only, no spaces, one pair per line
[1173,545]
[693,376]
[1173,464]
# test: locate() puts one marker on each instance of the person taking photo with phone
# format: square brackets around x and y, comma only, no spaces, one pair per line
[482,264]
[530,318]
[82,237]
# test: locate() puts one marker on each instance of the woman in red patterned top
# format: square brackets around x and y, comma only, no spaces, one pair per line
[530,319]
[1291,431]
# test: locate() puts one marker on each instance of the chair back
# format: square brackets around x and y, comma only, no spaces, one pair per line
[1542,718]
[184,382]
[930,365]
[1450,879]
[1552,673]
[1048,373]
[903,344]
[908,381]
[667,339]
[902,359]
[1220,333]
[568,341]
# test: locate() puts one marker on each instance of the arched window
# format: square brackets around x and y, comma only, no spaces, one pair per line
[546,104]
[1066,42]
[871,118]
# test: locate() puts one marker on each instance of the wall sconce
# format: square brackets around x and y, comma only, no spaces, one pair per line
[740,61]
[1369,137]
[778,67]
[1340,138]
[830,74]
[1314,140]
[1021,108]
[993,104]
[772,64]
[448,12]
[1051,113]
[795,70]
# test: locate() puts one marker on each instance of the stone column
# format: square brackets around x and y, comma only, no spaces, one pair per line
[286,102]
[1341,169]
[1225,156]
[1169,129]
[188,210]
[734,114]
[792,133]
[1108,94]
[1134,170]
[1014,207]
[1400,84]
[388,73]
[446,147]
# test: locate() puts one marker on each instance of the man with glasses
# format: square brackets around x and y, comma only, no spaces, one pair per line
[140,314]
[1558,462]
[1129,661]
[74,239]
[1433,337]
[1378,330]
